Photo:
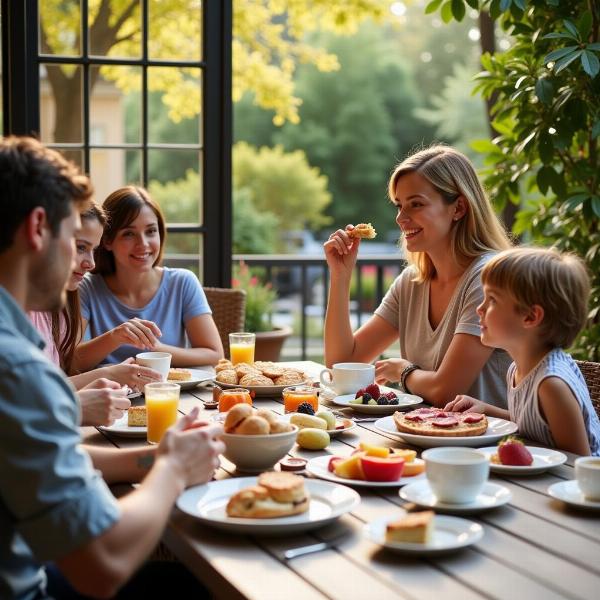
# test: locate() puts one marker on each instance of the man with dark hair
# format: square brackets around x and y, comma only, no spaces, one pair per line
[54,506]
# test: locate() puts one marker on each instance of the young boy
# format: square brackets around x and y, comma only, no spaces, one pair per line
[535,304]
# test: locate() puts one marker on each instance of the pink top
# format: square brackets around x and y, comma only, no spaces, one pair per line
[42,321]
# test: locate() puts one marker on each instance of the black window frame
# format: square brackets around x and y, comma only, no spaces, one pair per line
[21,111]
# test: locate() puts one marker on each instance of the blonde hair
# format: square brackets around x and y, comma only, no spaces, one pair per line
[452,175]
[558,282]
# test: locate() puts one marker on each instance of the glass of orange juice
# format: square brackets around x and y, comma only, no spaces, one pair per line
[295,395]
[241,347]
[227,398]
[162,400]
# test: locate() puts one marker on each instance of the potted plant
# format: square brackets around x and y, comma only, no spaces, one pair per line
[259,314]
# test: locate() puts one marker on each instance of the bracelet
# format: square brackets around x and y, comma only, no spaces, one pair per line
[408,369]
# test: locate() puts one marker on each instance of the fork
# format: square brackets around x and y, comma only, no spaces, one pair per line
[339,413]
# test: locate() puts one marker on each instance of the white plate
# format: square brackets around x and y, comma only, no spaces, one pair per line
[492,496]
[207,503]
[543,459]
[272,391]
[318,468]
[349,424]
[404,401]
[198,376]
[569,492]
[120,427]
[497,429]
[450,533]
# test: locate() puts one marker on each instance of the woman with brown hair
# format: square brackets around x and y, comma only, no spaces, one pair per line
[450,231]
[132,303]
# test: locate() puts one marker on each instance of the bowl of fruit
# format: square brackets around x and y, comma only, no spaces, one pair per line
[377,400]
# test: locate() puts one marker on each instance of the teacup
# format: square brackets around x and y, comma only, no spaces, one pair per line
[347,378]
[587,473]
[159,361]
[455,474]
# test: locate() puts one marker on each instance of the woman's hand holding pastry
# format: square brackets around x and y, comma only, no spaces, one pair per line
[341,251]
[102,402]
[464,403]
[136,332]
[389,370]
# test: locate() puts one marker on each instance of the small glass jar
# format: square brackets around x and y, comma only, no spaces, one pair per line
[296,395]
[233,396]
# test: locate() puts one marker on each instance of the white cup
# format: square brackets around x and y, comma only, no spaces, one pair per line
[159,361]
[348,378]
[456,475]
[587,473]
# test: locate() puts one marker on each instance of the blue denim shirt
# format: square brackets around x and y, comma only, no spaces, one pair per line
[52,501]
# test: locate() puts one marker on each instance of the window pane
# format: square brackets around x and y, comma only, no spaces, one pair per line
[61,117]
[60,27]
[116,30]
[115,106]
[182,250]
[75,155]
[175,29]
[174,105]
[176,183]
[112,169]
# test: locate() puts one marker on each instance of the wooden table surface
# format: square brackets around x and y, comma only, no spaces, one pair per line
[533,547]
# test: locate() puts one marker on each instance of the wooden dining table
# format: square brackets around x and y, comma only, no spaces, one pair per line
[533,547]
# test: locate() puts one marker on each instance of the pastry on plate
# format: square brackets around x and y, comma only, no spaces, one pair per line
[414,528]
[277,494]
[179,375]
[363,230]
[136,416]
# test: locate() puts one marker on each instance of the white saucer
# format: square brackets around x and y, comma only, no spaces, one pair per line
[492,496]
[449,533]
[120,427]
[569,492]
[404,401]
[198,376]
[318,467]
[543,459]
[348,424]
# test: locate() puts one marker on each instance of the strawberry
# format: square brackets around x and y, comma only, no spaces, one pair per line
[360,393]
[512,451]
[373,389]
[391,395]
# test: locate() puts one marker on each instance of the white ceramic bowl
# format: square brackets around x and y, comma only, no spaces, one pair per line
[255,453]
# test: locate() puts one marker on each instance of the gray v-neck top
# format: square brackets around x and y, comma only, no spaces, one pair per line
[406,308]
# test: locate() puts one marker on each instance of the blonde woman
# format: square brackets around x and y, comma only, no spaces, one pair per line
[450,231]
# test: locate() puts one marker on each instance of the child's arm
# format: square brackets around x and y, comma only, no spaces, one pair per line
[464,403]
[562,412]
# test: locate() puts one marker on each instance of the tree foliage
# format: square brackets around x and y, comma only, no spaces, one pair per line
[547,115]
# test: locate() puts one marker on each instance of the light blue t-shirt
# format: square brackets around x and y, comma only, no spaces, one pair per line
[179,298]
[52,501]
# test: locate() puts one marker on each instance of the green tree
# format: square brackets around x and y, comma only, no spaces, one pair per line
[547,115]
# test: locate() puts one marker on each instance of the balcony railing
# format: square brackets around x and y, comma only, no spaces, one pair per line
[304,281]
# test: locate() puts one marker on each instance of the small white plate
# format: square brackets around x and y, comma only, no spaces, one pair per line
[569,492]
[318,468]
[497,429]
[198,376]
[207,502]
[492,496]
[449,533]
[120,427]
[349,424]
[543,459]
[404,401]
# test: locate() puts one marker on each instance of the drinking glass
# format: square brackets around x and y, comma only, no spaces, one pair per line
[241,347]
[296,395]
[162,400]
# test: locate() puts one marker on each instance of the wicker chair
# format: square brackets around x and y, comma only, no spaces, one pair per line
[591,374]
[229,310]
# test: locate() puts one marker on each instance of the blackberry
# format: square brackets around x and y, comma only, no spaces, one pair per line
[306,409]
[382,401]
[367,397]
[393,401]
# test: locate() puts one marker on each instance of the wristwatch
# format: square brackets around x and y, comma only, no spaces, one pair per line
[409,368]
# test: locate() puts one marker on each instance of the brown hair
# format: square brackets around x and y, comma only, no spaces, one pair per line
[452,175]
[122,208]
[32,176]
[558,282]
[71,313]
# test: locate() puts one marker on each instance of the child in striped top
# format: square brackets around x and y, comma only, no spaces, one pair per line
[535,304]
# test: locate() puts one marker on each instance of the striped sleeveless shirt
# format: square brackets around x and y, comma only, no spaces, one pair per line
[523,399]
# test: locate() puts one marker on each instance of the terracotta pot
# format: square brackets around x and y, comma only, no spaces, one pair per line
[269,343]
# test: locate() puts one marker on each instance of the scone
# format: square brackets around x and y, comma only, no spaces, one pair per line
[136,416]
[179,375]
[414,528]
[278,494]
[227,376]
[363,230]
